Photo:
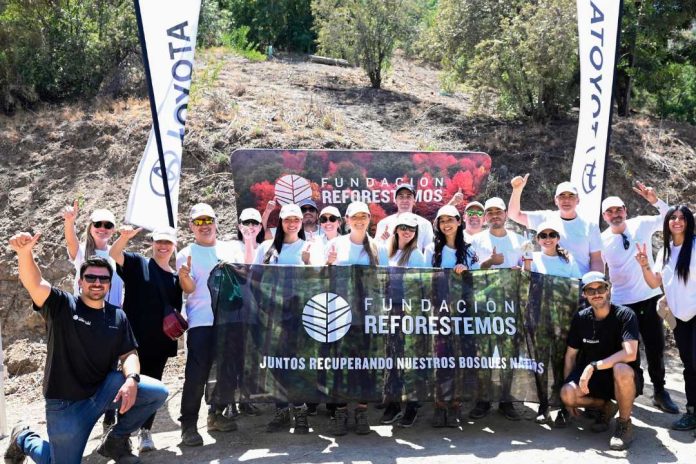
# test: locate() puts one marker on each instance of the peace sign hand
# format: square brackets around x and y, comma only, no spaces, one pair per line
[70,213]
[642,255]
[646,192]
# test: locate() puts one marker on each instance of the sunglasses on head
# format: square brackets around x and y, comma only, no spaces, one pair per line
[203,221]
[306,209]
[596,291]
[544,235]
[325,219]
[250,222]
[626,242]
[103,225]
[91,278]
[474,212]
[405,228]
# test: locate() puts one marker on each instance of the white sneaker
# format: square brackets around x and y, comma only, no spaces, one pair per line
[145,442]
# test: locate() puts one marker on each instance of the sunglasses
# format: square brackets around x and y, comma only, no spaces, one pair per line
[474,212]
[203,221]
[91,278]
[404,228]
[306,209]
[103,225]
[544,235]
[596,291]
[250,222]
[626,242]
[325,219]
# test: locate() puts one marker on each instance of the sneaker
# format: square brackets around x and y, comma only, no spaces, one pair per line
[190,436]
[606,414]
[392,413]
[281,420]
[362,426]
[248,409]
[562,419]
[312,409]
[217,422]
[439,417]
[452,418]
[480,410]
[301,422]
[145,442]
[409,417]
[339,422]
[543,416]
[14,454]
[118,449]
[664,402]
[108,422]
[623,435]
[508,410]
[686,422]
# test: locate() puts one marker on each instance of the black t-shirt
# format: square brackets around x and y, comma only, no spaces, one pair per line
[84,345]
[143,304]
[597,339]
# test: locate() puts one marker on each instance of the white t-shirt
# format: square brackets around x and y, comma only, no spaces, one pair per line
[291,253]
[449,257]
[115,296]
[555,266]
[425,230]
[199,310]
[627,282]
[348,253]
[510,245]
[417,258]
[578,236]
[681,297]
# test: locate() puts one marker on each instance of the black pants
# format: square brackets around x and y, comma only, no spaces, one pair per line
[653,335]
[152,367]
[685,336]
[200,343]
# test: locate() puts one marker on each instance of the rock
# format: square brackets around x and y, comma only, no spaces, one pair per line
[23,357]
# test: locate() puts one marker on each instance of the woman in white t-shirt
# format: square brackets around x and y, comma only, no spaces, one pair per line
[330,223]
[250,234]
[402,247]
[675,270]
[552,259]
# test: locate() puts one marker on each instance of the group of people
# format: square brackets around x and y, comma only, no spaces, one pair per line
[90,335]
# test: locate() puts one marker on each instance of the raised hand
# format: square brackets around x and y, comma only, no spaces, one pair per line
[332,255]
[185,269]
[457,199]
[496,258]
[646,192]
[246,231]
[306,253]
[385,235]
[70,213]
[270,206]
[128,232]
[518,182]
[642,255]
[24,241]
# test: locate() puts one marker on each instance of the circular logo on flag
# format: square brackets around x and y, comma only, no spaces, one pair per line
[292,189]
[326,317]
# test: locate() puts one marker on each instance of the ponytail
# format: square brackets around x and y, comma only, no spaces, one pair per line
[371,249]
[563,253]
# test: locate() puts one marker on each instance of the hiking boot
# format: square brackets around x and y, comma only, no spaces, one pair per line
[508,410]
[190,436]
[392,413]
[452,418]
[145,442]
[664,402]
[686,422]
[109,421]
[118,449]
[623,435]
[543,416]
[362,426]
[562,419]
[607,412]
[281,420]
[217,422]
[301,422]
[249,409]
[14,454]
[480,410]
[439,417]
[339,422]
[409,417]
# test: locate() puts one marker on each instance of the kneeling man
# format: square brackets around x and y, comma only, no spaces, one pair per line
[602,361]
[87,337]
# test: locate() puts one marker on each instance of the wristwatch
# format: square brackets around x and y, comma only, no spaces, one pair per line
[134,376]
[594,365]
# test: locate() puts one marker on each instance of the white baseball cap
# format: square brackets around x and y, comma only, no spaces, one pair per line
[548,225]
[448,210]
[102,215]
[495,202]
[473,204]
[593,277]
[250,214]
[332,210]
[357,207]
[407,219]
[564,187]
[202,209]
[164,233]
[289,210]
[612,202]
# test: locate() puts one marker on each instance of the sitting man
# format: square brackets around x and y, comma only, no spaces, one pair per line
[602,362]
[87,336]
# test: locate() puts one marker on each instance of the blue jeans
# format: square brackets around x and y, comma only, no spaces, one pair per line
[69,423]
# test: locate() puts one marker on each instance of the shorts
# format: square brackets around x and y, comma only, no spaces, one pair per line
[602,382]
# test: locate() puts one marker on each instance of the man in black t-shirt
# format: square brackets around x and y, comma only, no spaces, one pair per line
[87,337]
[602,362]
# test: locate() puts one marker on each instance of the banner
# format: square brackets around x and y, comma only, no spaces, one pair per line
[337,177]
[598,32]
[338,334]
[168,40]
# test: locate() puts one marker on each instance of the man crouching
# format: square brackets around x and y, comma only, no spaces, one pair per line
[86,338]
[601,362]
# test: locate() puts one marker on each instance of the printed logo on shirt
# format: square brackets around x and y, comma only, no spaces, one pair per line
[327,317]
[78,318]
[590,341]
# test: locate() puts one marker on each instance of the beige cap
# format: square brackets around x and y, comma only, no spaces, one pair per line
[164,233]
[290,210]
[407,219]
[332,210]
[250,214]
[473,204]
[357,207]
[102,215]
[495,202]
[612,202]
[201,210]
[566,187]
[448,210]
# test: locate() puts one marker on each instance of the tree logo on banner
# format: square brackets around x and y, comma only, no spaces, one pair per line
[292,189]
[327,317]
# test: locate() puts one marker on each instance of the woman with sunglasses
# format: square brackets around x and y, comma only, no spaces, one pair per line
[552,259]
[250,234]
[153,289]
[330,222]
[675,270]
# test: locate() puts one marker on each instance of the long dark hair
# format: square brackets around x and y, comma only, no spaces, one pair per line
[408,249]
[684,258]
[563,253]
[276,247]
[259,236]
[463,252]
